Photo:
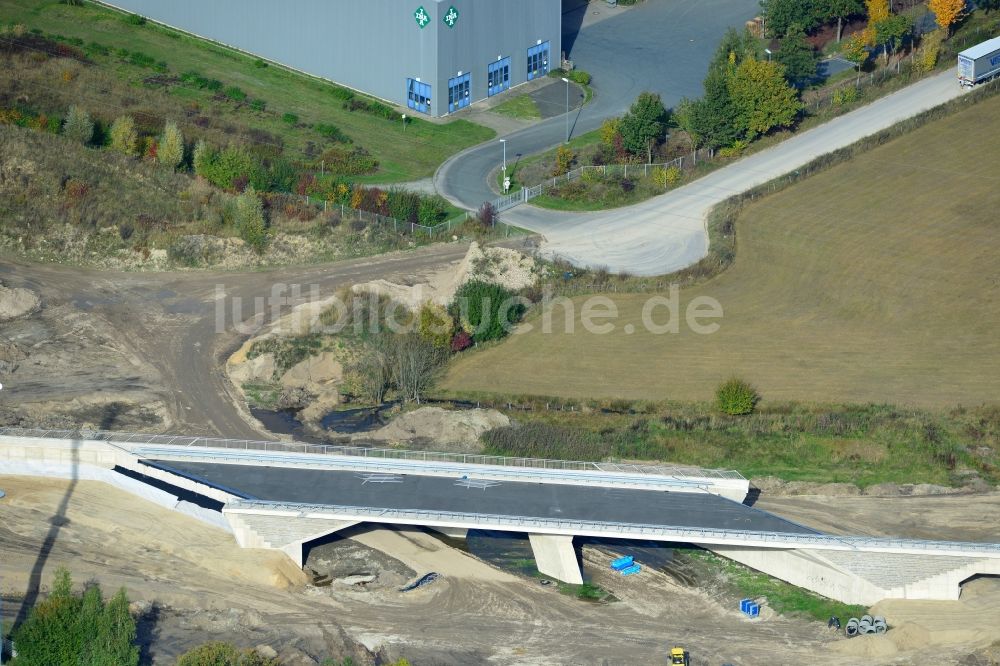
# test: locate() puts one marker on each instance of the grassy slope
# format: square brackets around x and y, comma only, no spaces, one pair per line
[412,154]
[873,281]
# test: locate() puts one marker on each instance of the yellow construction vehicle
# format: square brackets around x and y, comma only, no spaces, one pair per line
[679,655]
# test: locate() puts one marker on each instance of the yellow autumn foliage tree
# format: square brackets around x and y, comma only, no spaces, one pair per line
[947,11]
[878,10]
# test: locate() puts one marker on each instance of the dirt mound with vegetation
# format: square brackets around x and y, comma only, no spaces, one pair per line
[439,429]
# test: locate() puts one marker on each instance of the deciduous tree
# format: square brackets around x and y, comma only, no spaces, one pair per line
[841,9]
[644,124]
[124,136]
[78,126]
[798,57]
[948,12]
[762,98]
[170,152]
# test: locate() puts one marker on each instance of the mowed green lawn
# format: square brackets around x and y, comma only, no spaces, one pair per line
[875,281]
[403,155]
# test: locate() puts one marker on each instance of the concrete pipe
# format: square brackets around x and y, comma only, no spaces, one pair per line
[879,619]
[851,628]
[881,628]
[868,618]
[865,628]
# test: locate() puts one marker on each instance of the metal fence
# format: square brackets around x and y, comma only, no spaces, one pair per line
[360,451]
[527,193]
[348,214]
[632,530]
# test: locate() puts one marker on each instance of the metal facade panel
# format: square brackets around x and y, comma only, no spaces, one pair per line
[490,29]
[372,45]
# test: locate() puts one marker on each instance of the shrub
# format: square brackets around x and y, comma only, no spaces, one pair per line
[579,76]
[259,64]
[213,84]
[140,59]
[78,126]
[347,162]
[124,137]
[930,49]
[258,105]
[663,177]
[487,311]
[610,129]
[224,654]
[68,628]
[564,160]
[235,93]
[250,222]
[342,94]
[736,397]
[404,205]
[435,325]
[735,150]
[332,132]
[432,210]
[461,341]
[290,118]
[846,95]
[171,148]
[135,19]
[486,215]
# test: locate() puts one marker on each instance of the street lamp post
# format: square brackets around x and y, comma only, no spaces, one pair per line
[504,142]
[566,81]
[768,52]
[404,122]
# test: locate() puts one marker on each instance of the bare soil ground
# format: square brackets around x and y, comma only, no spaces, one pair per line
[144,351]
[203,587]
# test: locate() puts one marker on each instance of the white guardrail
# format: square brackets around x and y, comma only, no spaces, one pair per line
[131,439]
[694,535]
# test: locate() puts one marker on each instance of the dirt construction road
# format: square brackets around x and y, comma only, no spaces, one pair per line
[149,341]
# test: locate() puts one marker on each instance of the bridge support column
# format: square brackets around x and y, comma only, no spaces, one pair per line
[453,532]
[556,557]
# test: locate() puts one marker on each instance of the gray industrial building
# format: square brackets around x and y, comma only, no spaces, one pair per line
[433,56]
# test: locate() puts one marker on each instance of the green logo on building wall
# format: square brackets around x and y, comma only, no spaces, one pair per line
[451,18]
[421,17]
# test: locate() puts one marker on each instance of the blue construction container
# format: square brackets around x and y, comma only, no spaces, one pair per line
[634,569]
[622,563]
[753,610]
[743,605]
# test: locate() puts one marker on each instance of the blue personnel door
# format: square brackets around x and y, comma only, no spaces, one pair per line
[498,76]
[418,96]
[538,61]
[458,92]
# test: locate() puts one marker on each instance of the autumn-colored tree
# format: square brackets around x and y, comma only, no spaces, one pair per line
[948,12]
[124,136]
[171,149]
[855,50]
[761,97]
[930,48]
[564,160]
[878,10]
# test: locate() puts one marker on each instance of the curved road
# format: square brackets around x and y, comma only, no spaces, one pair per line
[660,45]
[667,233]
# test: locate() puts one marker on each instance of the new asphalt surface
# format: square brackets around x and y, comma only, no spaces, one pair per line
[663,46]
[437,493]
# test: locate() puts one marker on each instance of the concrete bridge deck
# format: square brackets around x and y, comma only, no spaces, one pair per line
[282,499]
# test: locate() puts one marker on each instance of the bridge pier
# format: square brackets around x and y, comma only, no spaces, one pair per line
[556,557]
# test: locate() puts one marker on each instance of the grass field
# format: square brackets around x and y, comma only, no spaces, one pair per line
[522,106]
[874,281]
[403,155]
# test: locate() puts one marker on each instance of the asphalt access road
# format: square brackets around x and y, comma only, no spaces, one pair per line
[663,46]
[667,233]
[437,493]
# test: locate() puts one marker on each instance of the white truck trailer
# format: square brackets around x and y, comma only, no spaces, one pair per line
[979,63]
